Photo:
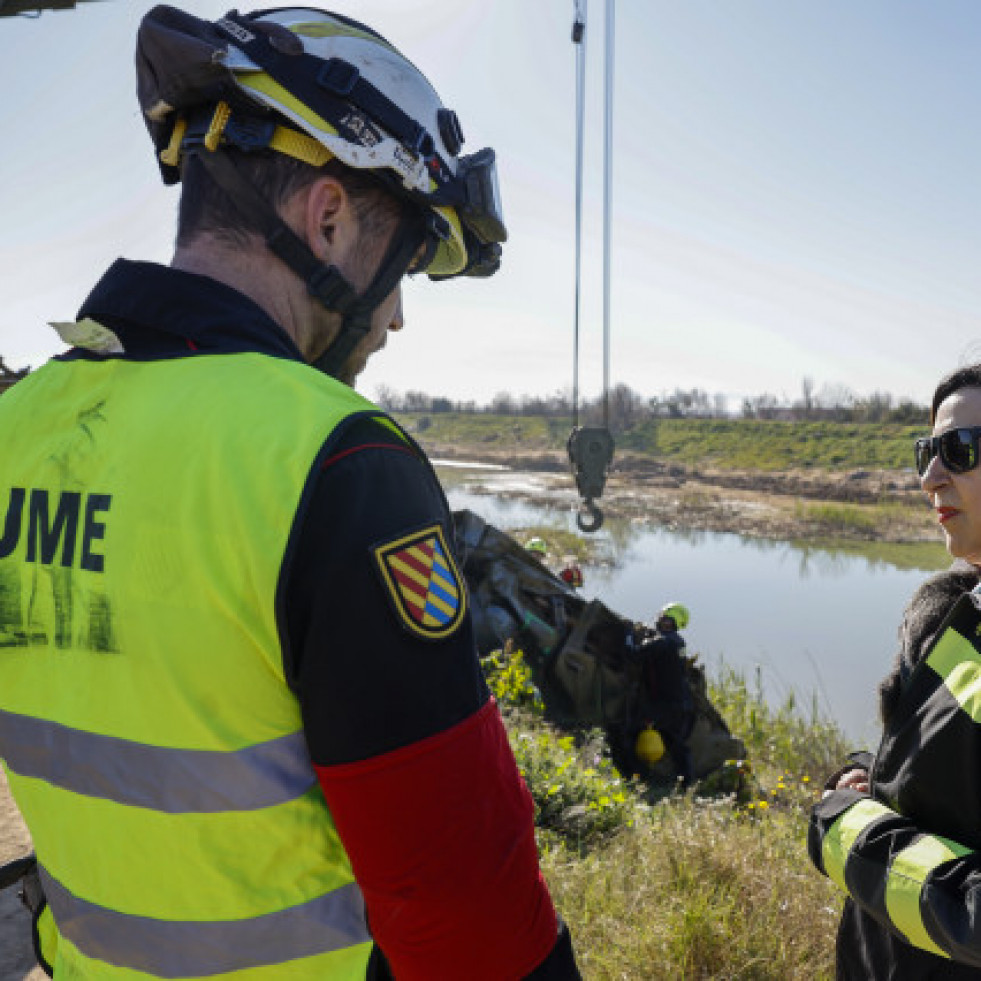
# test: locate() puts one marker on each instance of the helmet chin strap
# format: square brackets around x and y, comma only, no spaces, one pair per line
[408,236]
[324,282]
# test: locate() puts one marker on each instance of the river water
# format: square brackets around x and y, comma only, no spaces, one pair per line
[818,622]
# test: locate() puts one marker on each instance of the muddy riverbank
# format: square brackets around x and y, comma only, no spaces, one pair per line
[868,505]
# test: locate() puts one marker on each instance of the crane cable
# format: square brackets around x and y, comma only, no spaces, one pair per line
[578,39]
[591,448]
[607,205]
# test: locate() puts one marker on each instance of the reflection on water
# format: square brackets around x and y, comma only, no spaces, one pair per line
[816,621]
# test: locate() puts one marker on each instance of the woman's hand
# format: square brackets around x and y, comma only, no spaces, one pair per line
[856,779]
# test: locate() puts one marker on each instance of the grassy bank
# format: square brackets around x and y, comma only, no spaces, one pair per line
[703,886]
[750,444]
[722,444]
[697,892]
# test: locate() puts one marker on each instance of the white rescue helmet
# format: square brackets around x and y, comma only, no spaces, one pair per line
[340,84]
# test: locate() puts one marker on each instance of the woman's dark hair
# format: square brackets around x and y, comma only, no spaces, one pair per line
[967,377]
[921,621]
[205,207]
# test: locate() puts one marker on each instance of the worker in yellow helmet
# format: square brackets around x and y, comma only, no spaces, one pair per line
[673,618]
[241,708]
[667,705]
[537,546]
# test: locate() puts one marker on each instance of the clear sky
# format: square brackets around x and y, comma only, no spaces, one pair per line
[797,190]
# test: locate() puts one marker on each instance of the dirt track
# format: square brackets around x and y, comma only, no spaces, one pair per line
[787,509]
[16,957]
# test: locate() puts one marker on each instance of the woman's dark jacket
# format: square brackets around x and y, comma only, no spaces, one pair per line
[907,853]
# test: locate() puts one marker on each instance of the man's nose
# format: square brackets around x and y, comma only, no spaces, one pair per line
[398,319]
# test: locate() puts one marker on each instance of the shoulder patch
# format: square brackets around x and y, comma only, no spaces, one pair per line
[423,583]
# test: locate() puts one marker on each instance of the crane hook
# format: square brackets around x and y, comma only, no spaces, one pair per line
[595,521]
[590,451]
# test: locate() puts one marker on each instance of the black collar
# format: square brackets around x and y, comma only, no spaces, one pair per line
[159,312]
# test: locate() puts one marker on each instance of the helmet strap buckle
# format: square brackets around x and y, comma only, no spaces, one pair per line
[338,76]
[328,285]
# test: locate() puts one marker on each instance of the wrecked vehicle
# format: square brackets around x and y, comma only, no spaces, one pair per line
[577,649]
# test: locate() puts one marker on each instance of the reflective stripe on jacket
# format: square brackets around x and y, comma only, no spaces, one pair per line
[150,739]
[908,854]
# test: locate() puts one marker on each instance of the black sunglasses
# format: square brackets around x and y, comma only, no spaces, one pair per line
[958,449]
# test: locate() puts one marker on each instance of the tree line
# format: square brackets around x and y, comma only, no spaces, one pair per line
[624,408]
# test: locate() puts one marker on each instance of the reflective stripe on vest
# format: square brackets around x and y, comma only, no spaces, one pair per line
[151,740]
[144,776]
[174,949]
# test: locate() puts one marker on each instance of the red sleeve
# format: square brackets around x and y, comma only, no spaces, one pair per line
[440,834]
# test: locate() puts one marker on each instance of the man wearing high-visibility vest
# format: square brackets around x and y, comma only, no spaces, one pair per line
[241,709]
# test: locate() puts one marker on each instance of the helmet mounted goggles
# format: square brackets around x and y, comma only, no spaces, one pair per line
[315,85]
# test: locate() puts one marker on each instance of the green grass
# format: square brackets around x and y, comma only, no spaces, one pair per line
[697,886]
[831,517]
[698,891]
[726,444]
[490,431]
[749,444]
[790,742]
[844,516]
[919,556]
[562,544]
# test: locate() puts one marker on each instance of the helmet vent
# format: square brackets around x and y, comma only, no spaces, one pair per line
[281,38]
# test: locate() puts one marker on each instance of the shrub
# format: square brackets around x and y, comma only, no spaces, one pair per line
[578,793]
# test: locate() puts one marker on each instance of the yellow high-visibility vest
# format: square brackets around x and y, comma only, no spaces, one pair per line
[148,733]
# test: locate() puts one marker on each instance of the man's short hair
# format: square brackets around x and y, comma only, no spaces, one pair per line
[206,207]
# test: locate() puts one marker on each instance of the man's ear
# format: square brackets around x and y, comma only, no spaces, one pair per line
[329,221]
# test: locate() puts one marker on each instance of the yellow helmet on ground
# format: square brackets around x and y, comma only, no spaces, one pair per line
[649,746]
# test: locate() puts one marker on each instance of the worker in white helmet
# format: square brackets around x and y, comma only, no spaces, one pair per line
[243,714]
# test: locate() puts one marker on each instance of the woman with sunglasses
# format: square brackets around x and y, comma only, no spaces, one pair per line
[900,832]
